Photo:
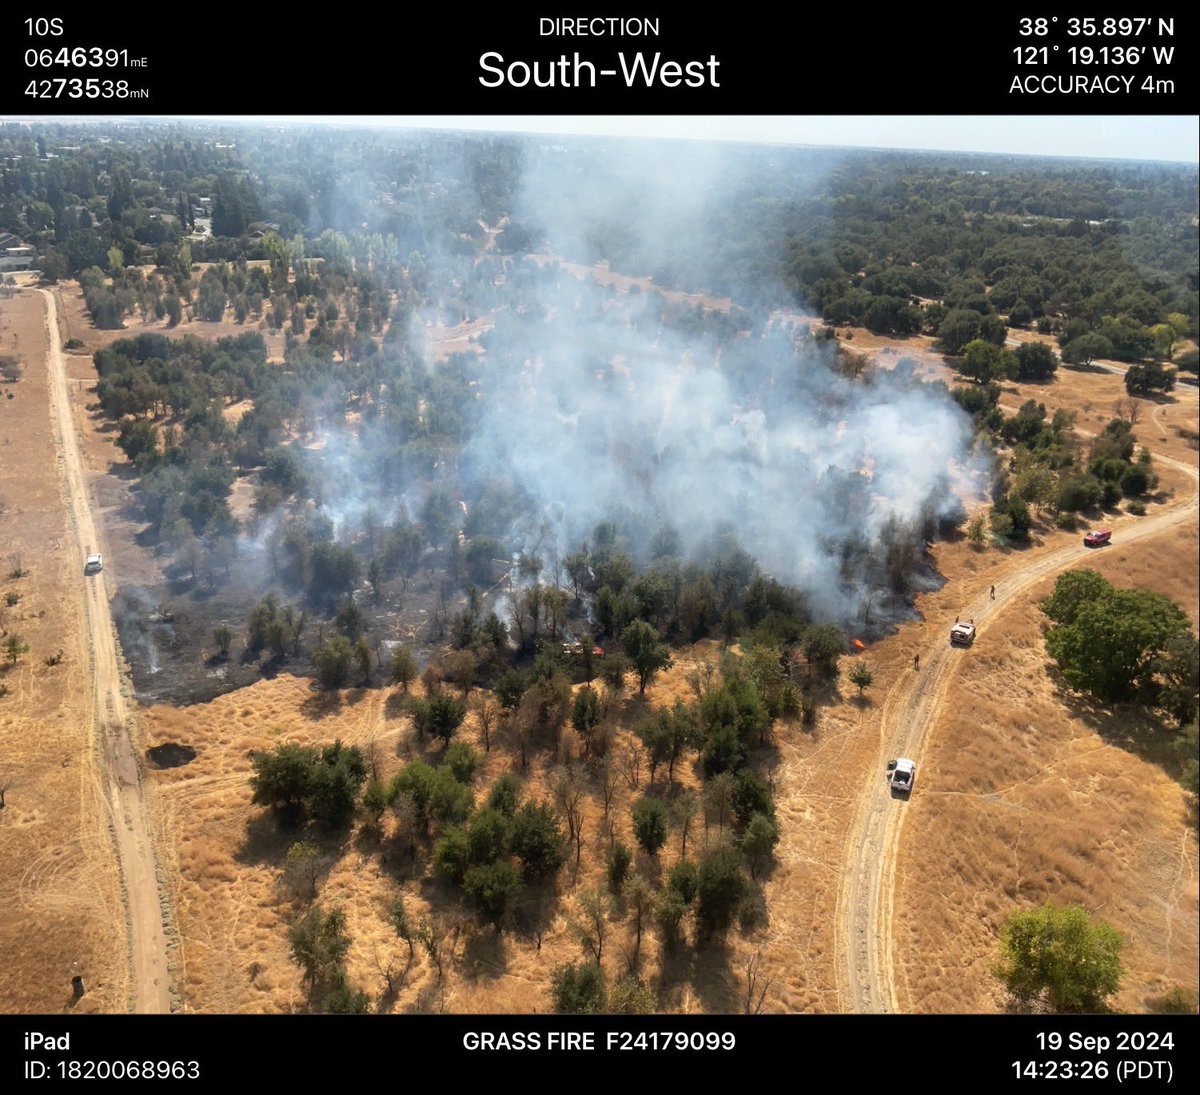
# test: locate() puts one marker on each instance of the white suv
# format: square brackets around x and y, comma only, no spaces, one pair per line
[94,564]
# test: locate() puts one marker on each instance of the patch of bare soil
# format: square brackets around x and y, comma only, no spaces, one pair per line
[60,889]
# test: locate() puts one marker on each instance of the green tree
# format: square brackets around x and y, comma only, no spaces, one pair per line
[332,661]
[684,879]
[640,643]
[822,647]
[488,836]
[579,989]
[721,887]
[650,824]
[1036,361]
[1186,750]
[404,667]
[491,888]
[586,714]
[1061,958]
[405,929]
[334,782]
[861,677]
[641,902]
[984,362]
[960,326]
[223,637]
[619,860]
[1086,348]
[439,716]
[538,840]
[1115,643]
[282,778]
[1153,377]
[758,842]
[452,854]
[505,795]
[343,1000]
[319,944]
[463,760]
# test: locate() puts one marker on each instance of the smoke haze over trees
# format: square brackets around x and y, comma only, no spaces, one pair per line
[708,467]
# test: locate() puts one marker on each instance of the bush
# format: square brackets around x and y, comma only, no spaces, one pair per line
[619,859]
[1067,521]
[488,836]
[1175,1001]
[650,824]
[579,989]
[721,887]
[684,879]
[462,760]
[490,888]
[669,918]
[1138,509]
[1080,493]
[439,716]
[505,795]
[630,997]
[538,840]
[758,842]
[452,854]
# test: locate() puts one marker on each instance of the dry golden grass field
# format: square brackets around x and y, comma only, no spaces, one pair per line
[60,897]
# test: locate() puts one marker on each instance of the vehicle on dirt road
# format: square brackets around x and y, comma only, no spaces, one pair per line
[1097,537]
[963,634]
[901,774]
[94,564]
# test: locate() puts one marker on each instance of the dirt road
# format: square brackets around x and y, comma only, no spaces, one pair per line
[121,773]
[866,982]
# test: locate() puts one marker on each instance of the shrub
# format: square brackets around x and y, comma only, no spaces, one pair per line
[579,989]
[619,859]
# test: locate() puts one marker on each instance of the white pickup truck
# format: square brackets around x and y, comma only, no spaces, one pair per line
[902,775]
[963,634]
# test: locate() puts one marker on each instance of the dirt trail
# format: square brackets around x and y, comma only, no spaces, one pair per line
[121,772]
[866,980]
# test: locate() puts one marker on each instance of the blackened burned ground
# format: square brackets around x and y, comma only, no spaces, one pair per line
[167,634]
[167,630]
[170,755]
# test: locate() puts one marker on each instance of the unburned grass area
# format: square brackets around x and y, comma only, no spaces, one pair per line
[234,911]
[60,899]
[1029,793]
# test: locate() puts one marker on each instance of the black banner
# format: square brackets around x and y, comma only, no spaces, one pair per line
[810,60]
[991,1053]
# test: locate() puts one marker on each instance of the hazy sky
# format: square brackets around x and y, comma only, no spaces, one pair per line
[1135,138]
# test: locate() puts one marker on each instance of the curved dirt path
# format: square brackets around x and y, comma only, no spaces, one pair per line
[863,929]
[121,774]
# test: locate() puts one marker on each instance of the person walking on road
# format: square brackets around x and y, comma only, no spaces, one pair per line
[916,663]
[993,593]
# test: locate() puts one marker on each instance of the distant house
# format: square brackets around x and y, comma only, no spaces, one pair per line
[15,255]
